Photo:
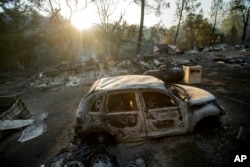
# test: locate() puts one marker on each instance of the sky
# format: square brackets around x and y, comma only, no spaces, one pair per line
[167,19]
[132,14]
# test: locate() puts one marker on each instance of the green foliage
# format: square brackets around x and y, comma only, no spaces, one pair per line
[170,35]
[60,37]
[217,11]
[194,32]
[242,8]
[204,35]
[18,34]
[185,8]
[232,27]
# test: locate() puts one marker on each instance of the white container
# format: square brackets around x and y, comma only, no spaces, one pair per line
[192,74]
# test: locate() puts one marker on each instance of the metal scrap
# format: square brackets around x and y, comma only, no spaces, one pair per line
[12,107]
[36,129]
[15,124]
[32,131]
[14,115]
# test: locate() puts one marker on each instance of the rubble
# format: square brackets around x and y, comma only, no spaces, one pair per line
[66,74]
[12,107]
[15,115]
[74,75]
[192,52]
[219,47]
[190,62]
[242,61]
[170,49]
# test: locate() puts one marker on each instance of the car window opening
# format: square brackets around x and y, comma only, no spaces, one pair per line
[179,92]
[96,106]
[155,100]
[122,102]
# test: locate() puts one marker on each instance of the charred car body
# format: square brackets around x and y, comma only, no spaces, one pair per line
[135,107]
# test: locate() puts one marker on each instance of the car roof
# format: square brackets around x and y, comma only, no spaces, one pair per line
[127,82]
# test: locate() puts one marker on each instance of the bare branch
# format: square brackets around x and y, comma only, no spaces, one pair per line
[75,5]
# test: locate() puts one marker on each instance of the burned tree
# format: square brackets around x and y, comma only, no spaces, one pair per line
[144,4]
[217,9]
[243,7]
[17,20]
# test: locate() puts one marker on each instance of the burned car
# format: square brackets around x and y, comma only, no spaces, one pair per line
[135,107]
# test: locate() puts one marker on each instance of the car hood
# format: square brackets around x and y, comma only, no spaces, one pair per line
[198,96]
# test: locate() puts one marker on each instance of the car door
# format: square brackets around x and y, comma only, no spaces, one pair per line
[123,115]
[163,114]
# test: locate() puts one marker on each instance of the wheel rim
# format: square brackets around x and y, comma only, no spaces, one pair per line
[101,160]
[73,163]
[130,165]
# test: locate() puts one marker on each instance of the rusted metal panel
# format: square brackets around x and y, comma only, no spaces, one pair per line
[15,124]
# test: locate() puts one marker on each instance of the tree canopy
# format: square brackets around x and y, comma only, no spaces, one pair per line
[41,31]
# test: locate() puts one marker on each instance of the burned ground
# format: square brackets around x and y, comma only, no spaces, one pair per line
[229,82]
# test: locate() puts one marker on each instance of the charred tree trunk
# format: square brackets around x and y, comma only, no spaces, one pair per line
[138,50]
[178,27]
[245,27]
[215,20]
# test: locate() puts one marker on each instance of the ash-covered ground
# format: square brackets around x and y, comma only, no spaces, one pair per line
[58,91]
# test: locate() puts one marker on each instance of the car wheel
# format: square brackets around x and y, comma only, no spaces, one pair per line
[101,160]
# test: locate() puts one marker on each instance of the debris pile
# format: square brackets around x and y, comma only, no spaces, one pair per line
[15,115]
[242,61]
[12,107]
[69,75]
[88,155]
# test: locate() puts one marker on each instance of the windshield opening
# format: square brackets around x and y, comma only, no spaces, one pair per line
[178,91]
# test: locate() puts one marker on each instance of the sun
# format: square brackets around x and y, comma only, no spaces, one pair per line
[82,20]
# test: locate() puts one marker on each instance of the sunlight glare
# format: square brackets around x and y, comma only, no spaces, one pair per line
[81,20]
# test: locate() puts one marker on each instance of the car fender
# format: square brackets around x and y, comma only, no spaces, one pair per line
[208,110]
